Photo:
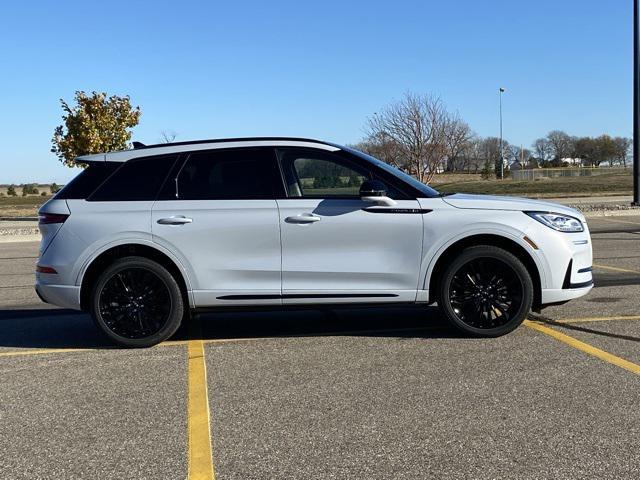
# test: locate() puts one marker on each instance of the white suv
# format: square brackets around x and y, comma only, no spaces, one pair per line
[143,237]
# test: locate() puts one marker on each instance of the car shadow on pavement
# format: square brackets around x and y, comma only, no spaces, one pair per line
[579,328]
[379,321]
[49,328]
[54,328]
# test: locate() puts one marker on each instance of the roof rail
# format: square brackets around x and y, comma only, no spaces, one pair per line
[140,145]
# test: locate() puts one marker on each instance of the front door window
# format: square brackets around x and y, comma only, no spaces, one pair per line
[313,174]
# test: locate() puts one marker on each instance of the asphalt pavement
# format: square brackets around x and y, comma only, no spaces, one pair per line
[355,393]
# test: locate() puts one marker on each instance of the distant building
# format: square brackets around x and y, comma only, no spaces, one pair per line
[572,162]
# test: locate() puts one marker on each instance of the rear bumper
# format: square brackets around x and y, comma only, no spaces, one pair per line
[61,295]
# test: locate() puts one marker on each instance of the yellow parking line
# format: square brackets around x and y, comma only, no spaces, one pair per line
[598,319]
[584,347]
[172,343]
[41,351]
[200,455]
[615,269]
[47,351]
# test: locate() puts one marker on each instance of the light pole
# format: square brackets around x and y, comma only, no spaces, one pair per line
[501,142]
[636,103]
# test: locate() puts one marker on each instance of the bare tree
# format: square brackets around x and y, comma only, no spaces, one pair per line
[511,154]
[383,148]
[561,145]
[474,155]
[542,149]
[491,152]
[622,149]
[594,151]
[518,155]
[606,148]
[416,126]
[586,150]
[168,136]
[525,156]
[457,136]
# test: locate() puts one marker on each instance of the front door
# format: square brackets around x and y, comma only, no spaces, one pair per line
[337,248]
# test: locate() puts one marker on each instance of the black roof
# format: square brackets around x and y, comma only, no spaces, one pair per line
[140,146]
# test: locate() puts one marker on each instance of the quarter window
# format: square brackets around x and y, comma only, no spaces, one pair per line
[136,180]
[87,180]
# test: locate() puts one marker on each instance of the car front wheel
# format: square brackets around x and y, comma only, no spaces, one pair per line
[136,302]
[486,291]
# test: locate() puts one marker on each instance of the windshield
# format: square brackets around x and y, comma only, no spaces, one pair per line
[424,189]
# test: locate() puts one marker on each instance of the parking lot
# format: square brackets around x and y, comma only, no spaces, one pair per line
[358,393]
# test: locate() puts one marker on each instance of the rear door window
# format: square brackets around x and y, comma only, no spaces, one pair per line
[139,179]
[233,174]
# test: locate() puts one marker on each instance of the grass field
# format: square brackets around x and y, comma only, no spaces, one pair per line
[21,206]
[615,184]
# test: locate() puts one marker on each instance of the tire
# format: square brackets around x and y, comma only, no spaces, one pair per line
[136,302]
[485,291]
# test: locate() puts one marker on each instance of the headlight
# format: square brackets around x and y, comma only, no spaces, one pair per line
[557,221]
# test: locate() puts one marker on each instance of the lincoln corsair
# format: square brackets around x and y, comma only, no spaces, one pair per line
[144,237]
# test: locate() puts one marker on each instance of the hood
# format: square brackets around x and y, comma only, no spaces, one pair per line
[490,202]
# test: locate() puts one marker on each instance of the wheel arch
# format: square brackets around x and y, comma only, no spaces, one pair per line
[491,239]
[108,256]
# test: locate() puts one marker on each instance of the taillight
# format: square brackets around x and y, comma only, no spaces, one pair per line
[43,269]
[47,218]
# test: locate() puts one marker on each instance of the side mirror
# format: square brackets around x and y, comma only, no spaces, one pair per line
[375,191]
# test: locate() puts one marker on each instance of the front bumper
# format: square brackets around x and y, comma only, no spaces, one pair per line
[550,296]
[578,281]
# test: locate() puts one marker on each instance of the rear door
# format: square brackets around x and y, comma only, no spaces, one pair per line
[337,247]
[218,214]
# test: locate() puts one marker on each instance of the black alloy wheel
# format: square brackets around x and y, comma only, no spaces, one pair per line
[486,291]
[137,303]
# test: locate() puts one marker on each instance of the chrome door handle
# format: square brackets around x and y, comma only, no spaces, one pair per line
[303,218]
[177,220]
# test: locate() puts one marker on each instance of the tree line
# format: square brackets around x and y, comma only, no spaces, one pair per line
[420,136]
[558,149]
[31,189]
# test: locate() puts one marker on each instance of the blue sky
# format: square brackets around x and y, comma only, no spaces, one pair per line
[318,69]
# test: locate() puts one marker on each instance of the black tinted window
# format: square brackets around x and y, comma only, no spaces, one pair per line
[137,179]
[230,174]
[87,180]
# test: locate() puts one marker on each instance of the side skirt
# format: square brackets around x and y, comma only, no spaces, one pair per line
[304,295]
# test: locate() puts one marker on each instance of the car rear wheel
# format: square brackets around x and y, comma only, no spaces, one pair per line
[486,291]
[136,302]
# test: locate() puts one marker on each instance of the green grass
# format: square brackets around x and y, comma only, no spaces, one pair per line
[547,187]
